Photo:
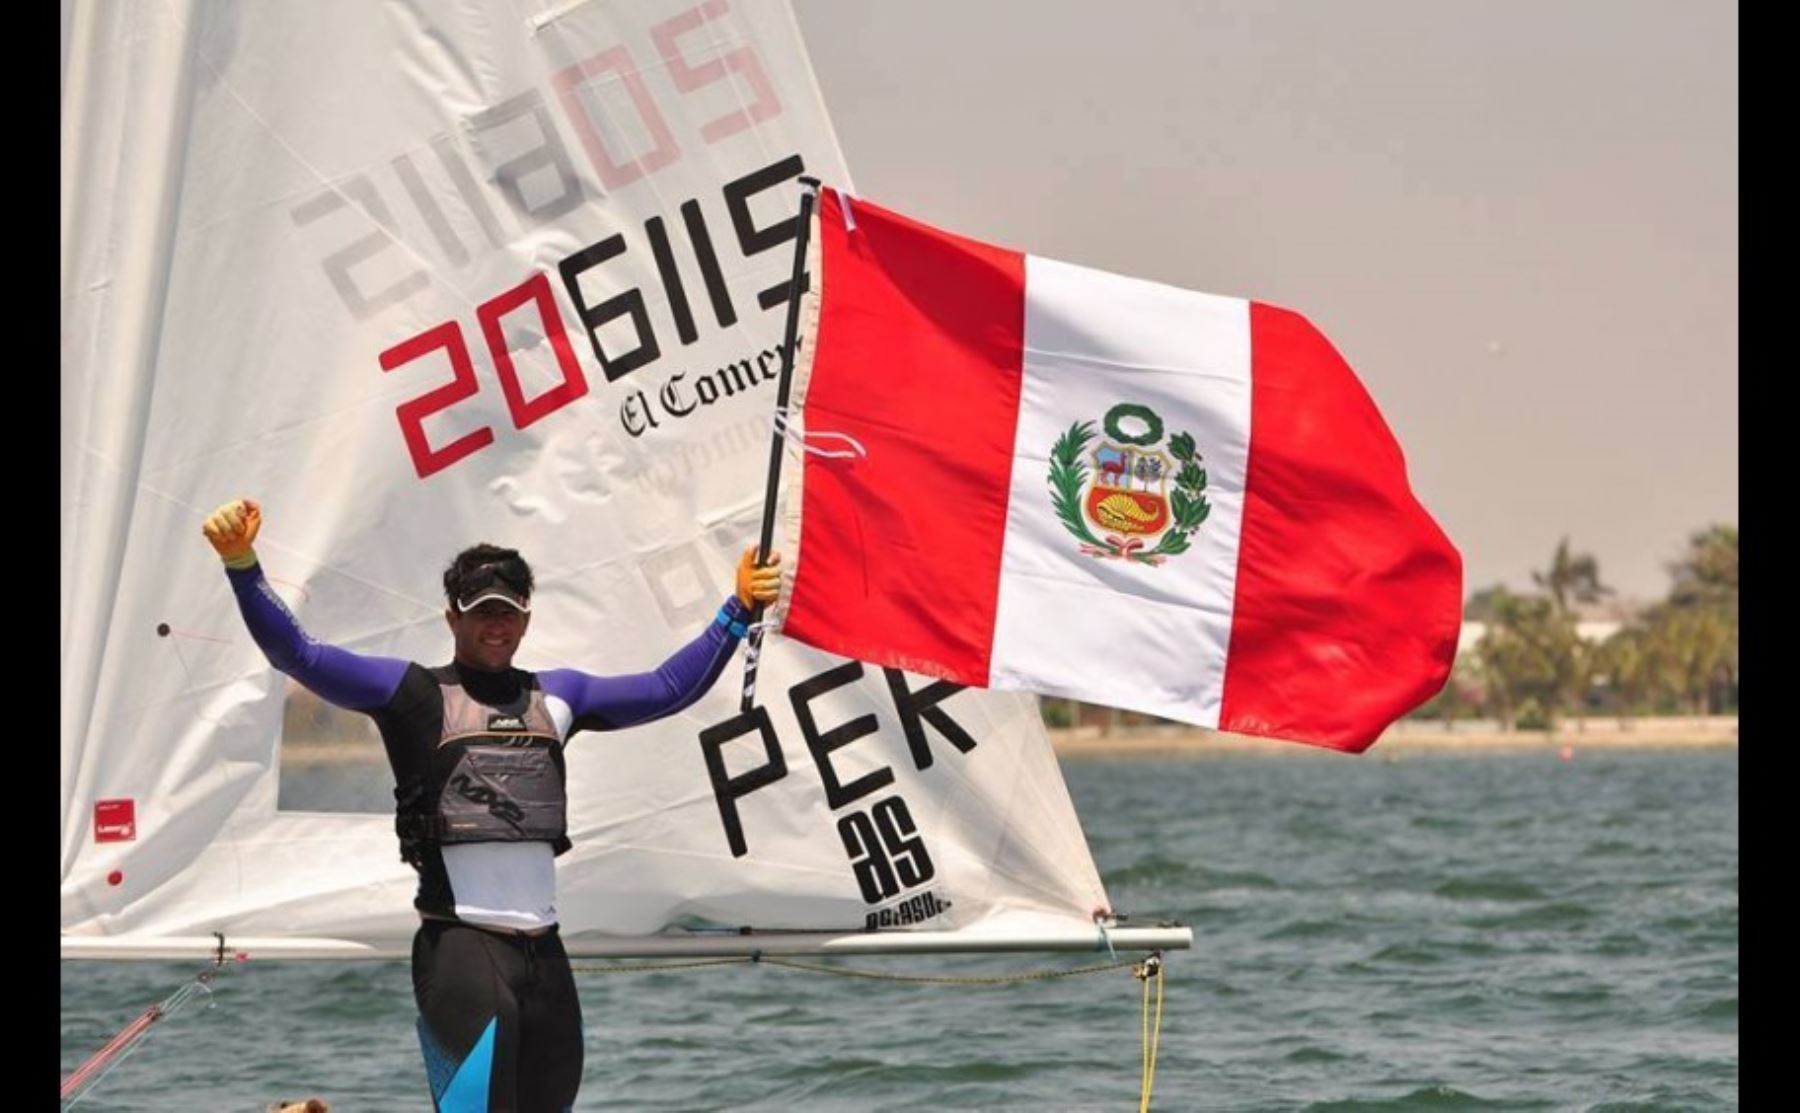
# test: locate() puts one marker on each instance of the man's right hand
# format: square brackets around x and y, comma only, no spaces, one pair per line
[231,528]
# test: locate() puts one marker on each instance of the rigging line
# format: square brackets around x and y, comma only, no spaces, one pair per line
[871,975]
[181,657]
[1150,970]
[84,1078]
[946,979]
[167,631]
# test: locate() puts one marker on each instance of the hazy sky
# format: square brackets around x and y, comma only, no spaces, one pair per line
[1517,220]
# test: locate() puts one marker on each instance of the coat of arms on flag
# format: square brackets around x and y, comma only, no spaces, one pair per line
[1128,498]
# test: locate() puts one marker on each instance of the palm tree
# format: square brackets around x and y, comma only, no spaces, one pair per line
[1529,654]
[1621,660]
[1708,572]
[1571,576]
[1705,595]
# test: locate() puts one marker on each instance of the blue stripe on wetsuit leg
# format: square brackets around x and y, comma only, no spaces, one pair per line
[459,1088]
[440,1065]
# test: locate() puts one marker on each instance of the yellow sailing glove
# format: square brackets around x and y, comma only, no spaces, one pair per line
[231,528]
[758,586]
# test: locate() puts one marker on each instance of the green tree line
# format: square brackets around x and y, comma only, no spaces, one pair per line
[1530,669]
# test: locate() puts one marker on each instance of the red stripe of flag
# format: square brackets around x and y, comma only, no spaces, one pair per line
[920,330]
[1349,596]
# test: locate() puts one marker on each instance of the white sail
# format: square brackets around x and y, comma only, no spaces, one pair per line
[422,274]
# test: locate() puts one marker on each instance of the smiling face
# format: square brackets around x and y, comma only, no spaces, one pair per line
[489,635]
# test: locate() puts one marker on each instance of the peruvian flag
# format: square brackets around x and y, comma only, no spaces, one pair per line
[1026,474]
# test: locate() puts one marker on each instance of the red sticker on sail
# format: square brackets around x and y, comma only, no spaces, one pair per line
[115,820]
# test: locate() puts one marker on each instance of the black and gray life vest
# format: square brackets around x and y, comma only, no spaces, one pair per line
[496,775]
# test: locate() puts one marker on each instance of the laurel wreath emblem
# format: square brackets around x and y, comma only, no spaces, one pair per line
[1187,502]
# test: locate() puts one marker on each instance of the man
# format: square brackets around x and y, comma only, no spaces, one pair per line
[476,750]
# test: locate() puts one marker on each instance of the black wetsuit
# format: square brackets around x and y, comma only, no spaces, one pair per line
[499,1019]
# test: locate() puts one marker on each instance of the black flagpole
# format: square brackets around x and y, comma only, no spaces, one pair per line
[810,189]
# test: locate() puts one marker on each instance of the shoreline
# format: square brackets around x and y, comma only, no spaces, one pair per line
[1671,733]
[1405,737]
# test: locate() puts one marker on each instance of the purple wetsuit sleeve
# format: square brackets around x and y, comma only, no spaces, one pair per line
[338,676]
[610,702]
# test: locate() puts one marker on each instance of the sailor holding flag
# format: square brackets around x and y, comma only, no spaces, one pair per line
[476,747]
